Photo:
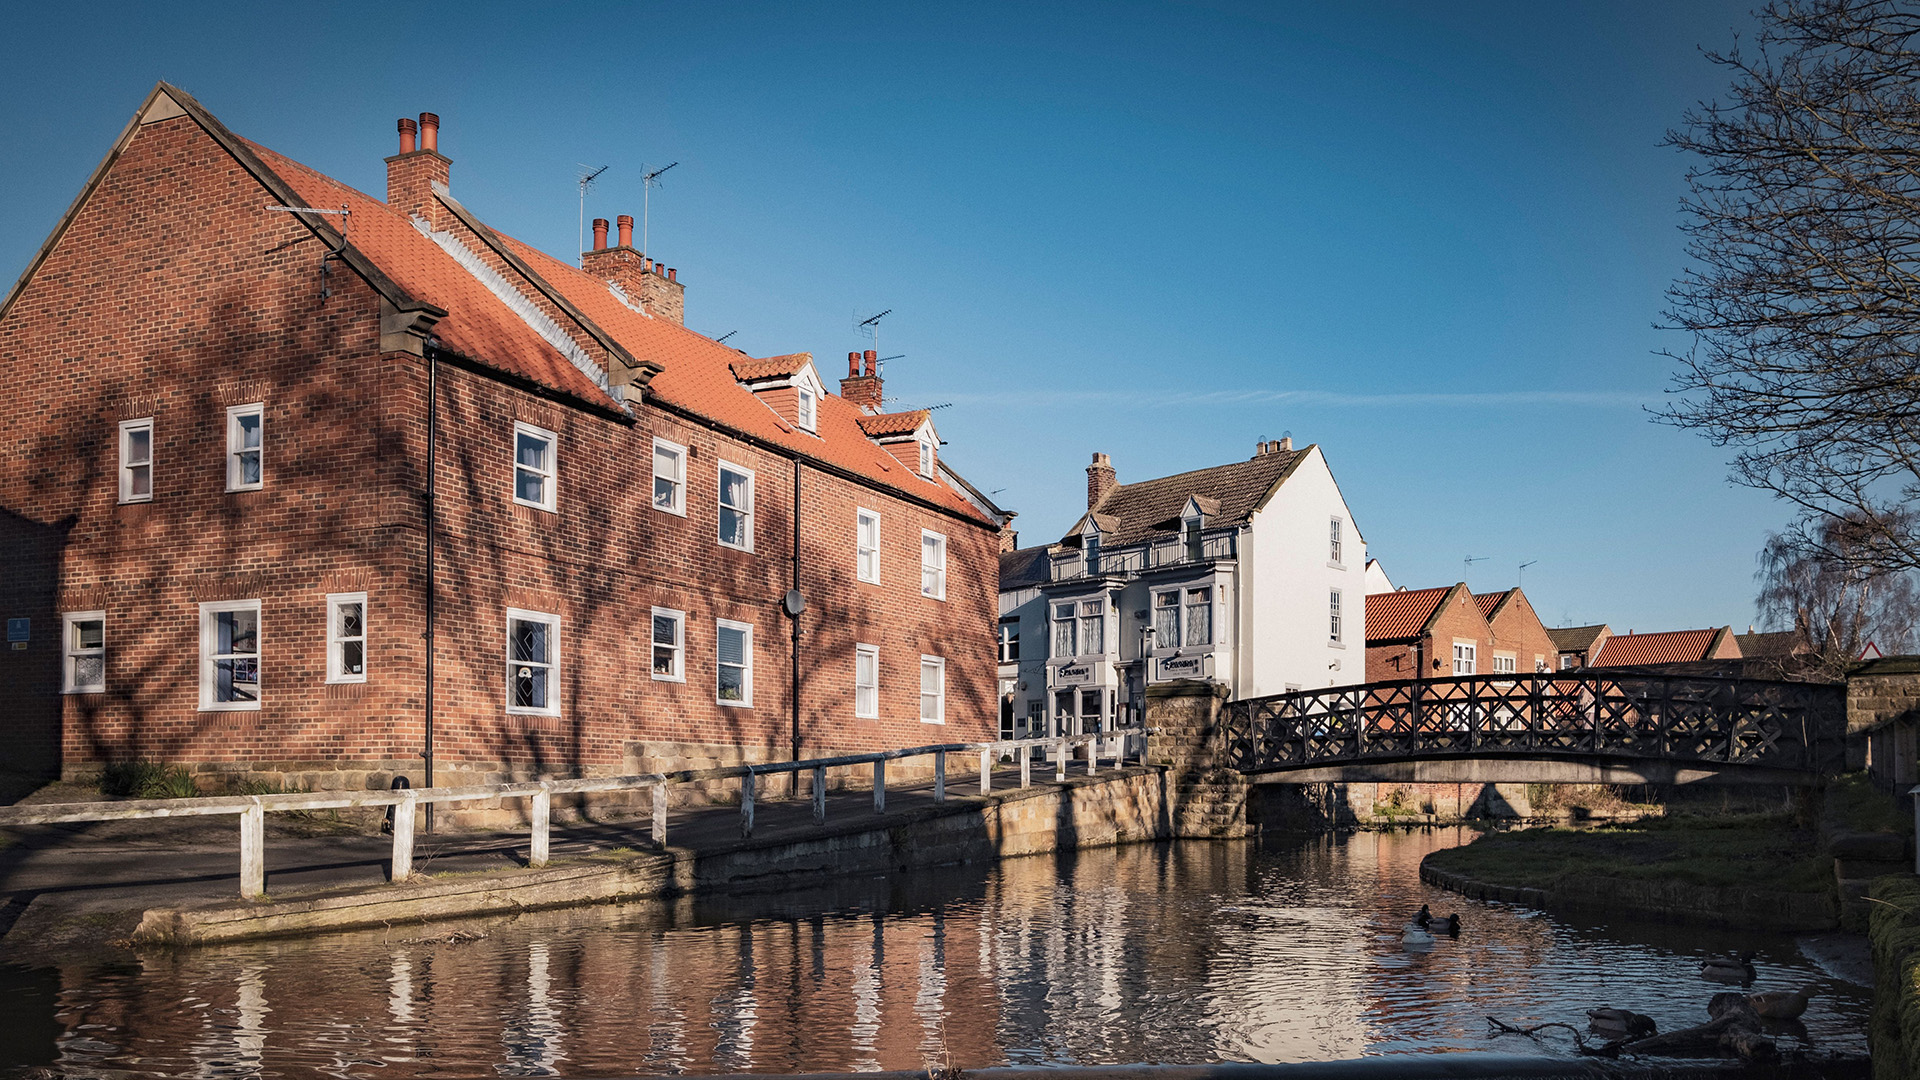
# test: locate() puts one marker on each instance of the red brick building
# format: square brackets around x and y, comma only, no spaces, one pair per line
[312,494]
[1433,633]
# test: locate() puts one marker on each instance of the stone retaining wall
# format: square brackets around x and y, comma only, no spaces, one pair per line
[1121,807]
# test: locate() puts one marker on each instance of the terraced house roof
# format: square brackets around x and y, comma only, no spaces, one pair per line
[497,323]
[1666,647]
[1149,508]
[1395,615]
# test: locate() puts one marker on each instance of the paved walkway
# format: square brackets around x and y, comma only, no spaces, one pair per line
[82,870]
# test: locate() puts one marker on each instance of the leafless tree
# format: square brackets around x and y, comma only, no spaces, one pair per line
[1803,293]
[1833,604]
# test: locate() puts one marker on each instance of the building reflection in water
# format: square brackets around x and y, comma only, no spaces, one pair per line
[1171,953]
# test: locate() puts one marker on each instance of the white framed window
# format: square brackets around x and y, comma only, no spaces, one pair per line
[866,682]
[230,655]
[245,442]
[346,637]
[933,690]
[1093,623]
[733,663]
[1505,665]
[1166,620]
[933,565]
[1566,663]
[1333,540]
[136,460]
[669,477]
[1199,616]
[533,663]
[1066,637]
[1464,654]
[736,506]
[1009,640]
[926,457]
[535,466]
[867,545]
[806,409]
[1333,614]
[669,645]
[83,637]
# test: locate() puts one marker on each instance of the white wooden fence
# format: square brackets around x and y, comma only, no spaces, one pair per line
[252,809]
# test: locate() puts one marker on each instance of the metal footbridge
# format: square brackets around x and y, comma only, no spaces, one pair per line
[1581,726]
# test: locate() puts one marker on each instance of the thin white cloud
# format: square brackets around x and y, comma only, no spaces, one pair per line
[1307,398]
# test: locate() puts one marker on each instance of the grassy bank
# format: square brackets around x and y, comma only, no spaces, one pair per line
[1754,851]
[1894,931]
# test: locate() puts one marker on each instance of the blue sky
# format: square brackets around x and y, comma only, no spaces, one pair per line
[1434,240]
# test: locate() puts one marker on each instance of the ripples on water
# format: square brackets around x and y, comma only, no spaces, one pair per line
[1175,953]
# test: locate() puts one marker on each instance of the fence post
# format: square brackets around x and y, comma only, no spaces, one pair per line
[403,818]
[660,814]
[880,786]
[253,850]
[542,814]
[986,772]
[939,776]
[1060,761]
[1093,755]
[746,804]
[819,794]
[1026,766]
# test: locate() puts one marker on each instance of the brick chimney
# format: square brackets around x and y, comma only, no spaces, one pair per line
[647,283]
[1100,480]
[412,172]
[1009,538]
[863,391]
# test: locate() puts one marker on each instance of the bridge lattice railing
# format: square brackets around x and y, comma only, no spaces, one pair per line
[1587,712]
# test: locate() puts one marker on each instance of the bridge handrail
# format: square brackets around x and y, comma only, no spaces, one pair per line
[405,801]
[1722,720]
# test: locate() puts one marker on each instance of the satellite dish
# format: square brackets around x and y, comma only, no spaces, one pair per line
[794,604]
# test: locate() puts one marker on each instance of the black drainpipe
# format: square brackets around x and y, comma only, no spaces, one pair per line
[793,695]
[433,423]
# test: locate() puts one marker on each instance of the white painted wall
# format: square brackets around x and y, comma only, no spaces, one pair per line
[1287,578]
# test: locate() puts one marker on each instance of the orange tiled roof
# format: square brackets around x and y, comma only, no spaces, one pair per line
[1393,615]
[893,423]
[773,367]
[697,376]
[1667,647]
[1489,601]
[477,325]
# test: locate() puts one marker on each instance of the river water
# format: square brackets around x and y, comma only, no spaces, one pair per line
[1191,952]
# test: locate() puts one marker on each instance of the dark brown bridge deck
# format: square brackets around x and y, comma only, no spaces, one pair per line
[1583,726]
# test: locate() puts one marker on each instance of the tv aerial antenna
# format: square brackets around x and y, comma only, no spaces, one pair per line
[1521,576]
[871,327]
[588,174]
[647,183]
[1466,564]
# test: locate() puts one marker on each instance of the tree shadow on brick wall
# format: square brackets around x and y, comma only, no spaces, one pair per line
[30,669]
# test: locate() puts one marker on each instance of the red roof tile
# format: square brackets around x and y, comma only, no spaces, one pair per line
[896,423]
[477,326]
[697,374]
[698,377]
[1393,615]
[1489,601]
[773,367]
[1668,647]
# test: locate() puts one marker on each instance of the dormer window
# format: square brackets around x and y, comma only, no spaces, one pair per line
[807,408]
[1090,547]
[1190,532]
[926,458]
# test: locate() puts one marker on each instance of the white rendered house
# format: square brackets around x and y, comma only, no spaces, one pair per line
[1250,574]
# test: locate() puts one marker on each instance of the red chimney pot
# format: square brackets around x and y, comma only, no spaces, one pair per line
[407,128]
[626,230]
[873,362]
[673,274]
[853,365]
[430,131]
[599,234]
